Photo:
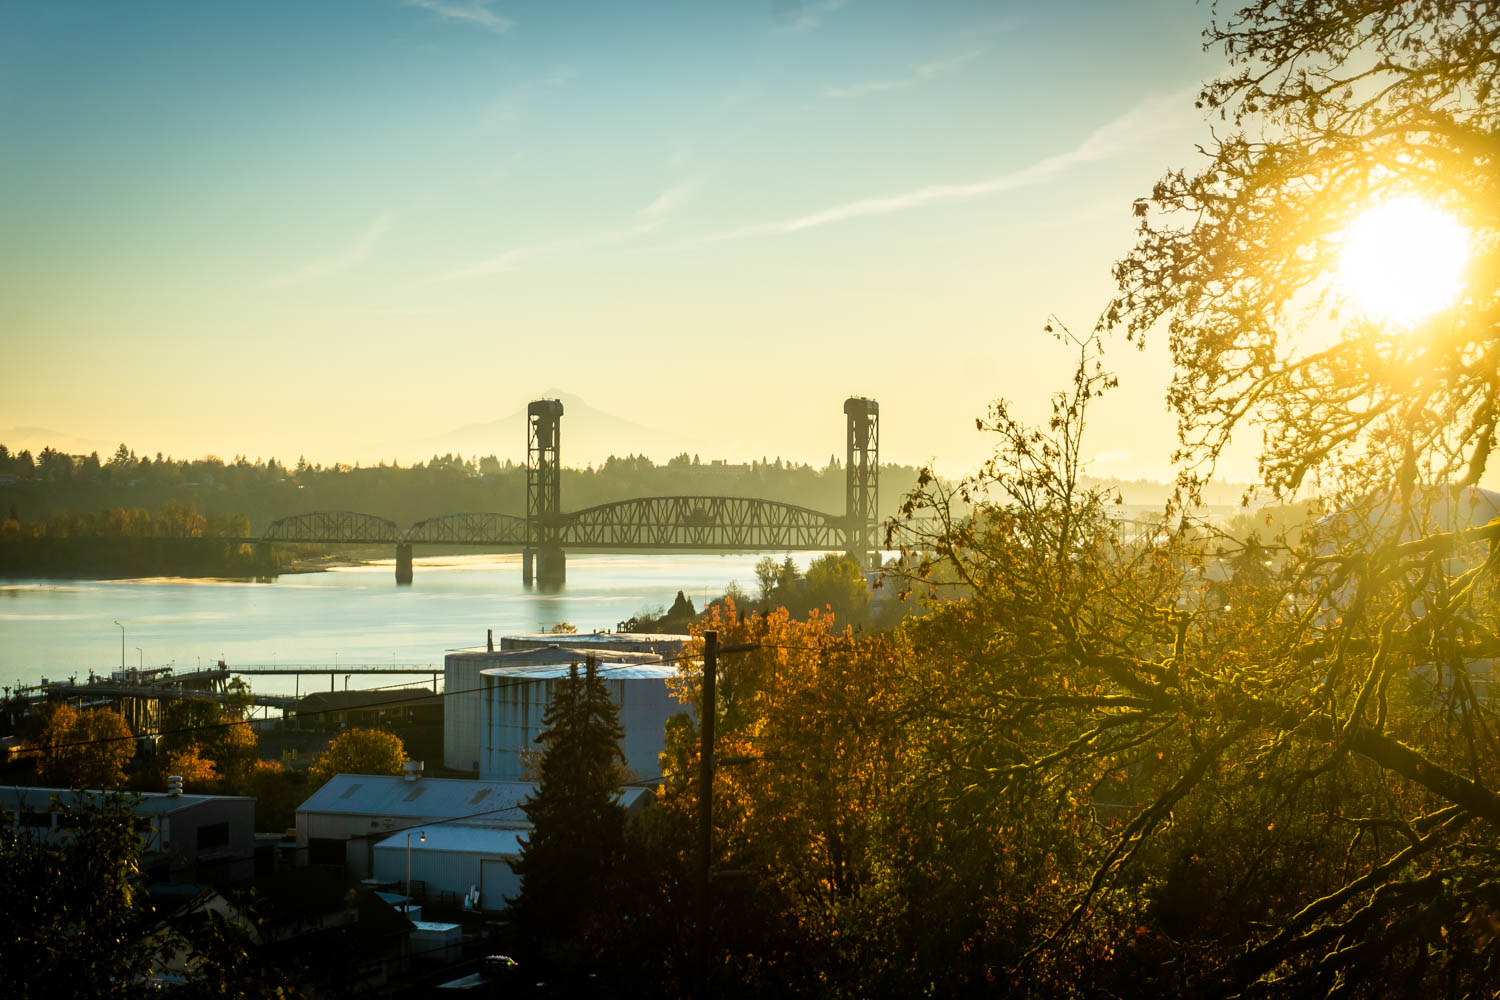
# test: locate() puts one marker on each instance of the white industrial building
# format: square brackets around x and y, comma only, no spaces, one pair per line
[454,858]
[464,688]
[365,823]
[340,822]
[516,699]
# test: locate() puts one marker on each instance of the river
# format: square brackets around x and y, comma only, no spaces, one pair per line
[353,615]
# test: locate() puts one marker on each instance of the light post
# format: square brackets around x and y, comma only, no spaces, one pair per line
[421,840]
[122,646]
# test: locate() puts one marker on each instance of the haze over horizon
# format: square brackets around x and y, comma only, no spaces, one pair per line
[332,230]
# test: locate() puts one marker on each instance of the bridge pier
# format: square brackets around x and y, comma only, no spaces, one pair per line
[528,566]
[403,563]
[551,566]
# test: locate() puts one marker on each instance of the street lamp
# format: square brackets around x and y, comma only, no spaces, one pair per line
[122,646]
[421,840]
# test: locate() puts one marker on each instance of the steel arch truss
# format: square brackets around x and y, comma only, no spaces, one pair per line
[702,522]
[329,526]
[500,530]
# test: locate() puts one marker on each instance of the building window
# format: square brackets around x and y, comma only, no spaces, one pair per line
[38,819]
[213,835]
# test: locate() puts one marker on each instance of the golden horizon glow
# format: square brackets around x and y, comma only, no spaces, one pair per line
[1403,260]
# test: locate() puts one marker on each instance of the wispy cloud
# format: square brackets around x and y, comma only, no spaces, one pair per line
[511,105]
[794,16]
[648,219]
[925,71]
[665,203]
[469,11]
[348,260]
[1128,131]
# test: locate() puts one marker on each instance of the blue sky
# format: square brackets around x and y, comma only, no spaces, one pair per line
[329,229]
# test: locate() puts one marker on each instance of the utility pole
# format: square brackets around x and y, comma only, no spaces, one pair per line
[707,706]
[706,714]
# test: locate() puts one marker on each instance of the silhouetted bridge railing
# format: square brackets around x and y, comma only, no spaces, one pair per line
[701,523]
[686,523]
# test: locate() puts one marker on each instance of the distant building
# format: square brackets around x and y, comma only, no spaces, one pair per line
[184,838]
[387,708]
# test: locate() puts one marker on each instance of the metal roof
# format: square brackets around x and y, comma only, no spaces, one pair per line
[438,798]
[607,671]
[556,653]
[149,804]
[602,638]
[451,838]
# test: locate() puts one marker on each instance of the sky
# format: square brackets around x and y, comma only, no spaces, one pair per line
[335,229]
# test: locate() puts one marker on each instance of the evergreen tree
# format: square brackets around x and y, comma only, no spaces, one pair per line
[578,828]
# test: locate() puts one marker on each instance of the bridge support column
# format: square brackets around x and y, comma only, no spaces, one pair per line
[544,492]
[862,480]
[551,566]
[528,566]
[403,563]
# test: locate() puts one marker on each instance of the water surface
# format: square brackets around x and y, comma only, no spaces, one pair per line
[63,628]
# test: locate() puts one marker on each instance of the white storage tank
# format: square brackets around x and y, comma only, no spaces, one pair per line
[516,699]
[463,689]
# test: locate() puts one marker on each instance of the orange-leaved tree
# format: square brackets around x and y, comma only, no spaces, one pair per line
[360,751]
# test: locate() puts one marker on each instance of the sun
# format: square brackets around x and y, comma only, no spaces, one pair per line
[1403,260]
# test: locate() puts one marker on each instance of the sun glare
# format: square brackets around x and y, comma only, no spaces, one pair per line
[1404,260]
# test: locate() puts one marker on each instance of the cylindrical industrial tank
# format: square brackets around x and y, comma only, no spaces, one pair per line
[516,698]
[463,689]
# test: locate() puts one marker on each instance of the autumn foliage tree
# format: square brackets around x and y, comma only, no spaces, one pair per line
[360,751]
[88,749]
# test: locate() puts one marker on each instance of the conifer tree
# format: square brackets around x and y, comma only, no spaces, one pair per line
[578,827]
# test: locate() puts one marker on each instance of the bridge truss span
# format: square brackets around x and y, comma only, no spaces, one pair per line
[499,530]
[701,523]
[332,526]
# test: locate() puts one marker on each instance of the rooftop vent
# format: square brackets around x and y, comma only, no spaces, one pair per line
[411,770]
[174,784]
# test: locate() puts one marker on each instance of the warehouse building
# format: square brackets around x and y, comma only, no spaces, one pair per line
[339,824]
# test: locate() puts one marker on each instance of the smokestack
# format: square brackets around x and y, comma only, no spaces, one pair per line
[489,639]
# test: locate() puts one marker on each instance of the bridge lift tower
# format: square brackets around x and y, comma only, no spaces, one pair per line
[543,495]
[862,480]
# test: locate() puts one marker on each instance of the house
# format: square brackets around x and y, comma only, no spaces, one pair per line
[184,838]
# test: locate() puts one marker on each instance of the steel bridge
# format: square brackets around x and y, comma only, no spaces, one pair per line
[672,523]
